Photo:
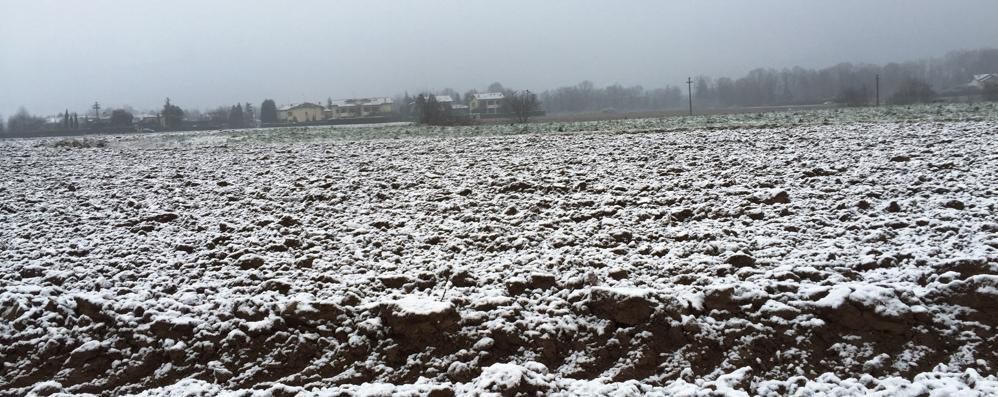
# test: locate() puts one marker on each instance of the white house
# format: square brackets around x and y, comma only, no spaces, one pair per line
[980,80]
[360,107]
[300,113]
[489,102]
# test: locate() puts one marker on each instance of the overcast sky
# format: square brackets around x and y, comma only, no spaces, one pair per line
[56,54]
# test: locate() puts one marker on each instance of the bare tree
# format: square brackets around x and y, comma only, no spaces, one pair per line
[119,118]
[990,92]
[249,115]
[495,87]
[219,115]
[521,105]
[23,122]
[913,91]
[854,97]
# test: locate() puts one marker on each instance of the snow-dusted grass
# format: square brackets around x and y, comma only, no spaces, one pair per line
[644,257]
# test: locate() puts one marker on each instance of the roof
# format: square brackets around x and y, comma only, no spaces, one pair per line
[363,101]
[489,95]
[301,105]
[443,98]
[981,79]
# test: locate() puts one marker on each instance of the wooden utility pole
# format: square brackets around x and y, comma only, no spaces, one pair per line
[689,89]
[877,89]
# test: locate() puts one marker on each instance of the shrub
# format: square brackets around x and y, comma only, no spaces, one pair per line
[80,143]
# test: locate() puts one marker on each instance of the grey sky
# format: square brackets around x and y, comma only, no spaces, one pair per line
[57,54]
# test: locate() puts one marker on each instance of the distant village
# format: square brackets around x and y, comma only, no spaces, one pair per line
[384,109]
[477,106]
[957,77]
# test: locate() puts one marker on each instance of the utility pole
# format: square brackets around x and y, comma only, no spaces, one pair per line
[689,89]
[97,111]
[878,89]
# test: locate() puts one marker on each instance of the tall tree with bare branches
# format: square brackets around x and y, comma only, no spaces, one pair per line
[521,105]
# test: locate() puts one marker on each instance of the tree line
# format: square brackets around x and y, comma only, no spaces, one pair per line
[586,97]
[169,118]
[516,105]
[845,83]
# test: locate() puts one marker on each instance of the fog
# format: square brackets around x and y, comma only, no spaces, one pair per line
[67,54]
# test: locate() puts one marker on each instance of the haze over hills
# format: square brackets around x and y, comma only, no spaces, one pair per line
[59,55]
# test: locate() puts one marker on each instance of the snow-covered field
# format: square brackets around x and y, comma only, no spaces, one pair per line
[842,256]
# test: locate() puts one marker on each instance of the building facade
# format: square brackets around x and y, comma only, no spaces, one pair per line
[301,113]
[360,107]
[486,103]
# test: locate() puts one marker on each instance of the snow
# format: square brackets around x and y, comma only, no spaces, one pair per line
[501,377]
[488,95]
[502,259]
[881,299]
[835,298]
[87,347]
[625,292]
[421,306]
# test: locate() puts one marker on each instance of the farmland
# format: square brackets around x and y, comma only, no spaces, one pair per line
[837,251]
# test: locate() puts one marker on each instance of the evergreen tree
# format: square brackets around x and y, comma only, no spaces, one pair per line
[236,116]
[173,115]
[418,108]
[268,112]
[65,120]
[429,111]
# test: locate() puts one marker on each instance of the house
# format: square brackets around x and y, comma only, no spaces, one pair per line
[980,80]
[301,113]
[487,103]
[150,121]
[360,107]
[445,100]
